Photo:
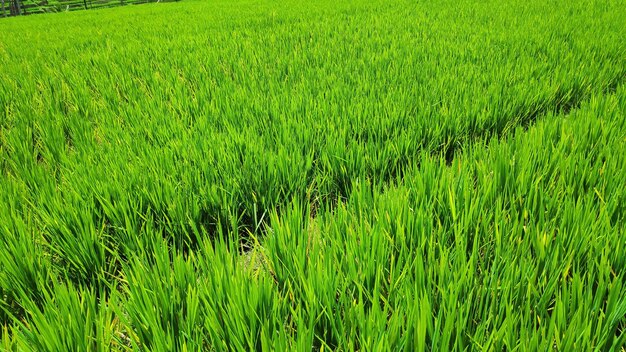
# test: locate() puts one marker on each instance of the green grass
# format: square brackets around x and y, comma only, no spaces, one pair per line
[287,176]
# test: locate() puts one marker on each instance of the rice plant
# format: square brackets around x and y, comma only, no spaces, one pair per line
[210,175]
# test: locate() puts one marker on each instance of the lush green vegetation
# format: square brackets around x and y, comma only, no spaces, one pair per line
[288,176]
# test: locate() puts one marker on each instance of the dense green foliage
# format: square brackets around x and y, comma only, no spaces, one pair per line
[286,176]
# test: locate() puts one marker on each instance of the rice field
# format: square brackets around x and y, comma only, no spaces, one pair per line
[275,176]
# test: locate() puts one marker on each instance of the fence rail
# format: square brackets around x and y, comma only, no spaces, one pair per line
[29,7]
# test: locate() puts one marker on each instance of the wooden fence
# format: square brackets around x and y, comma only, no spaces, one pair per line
[29,7]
